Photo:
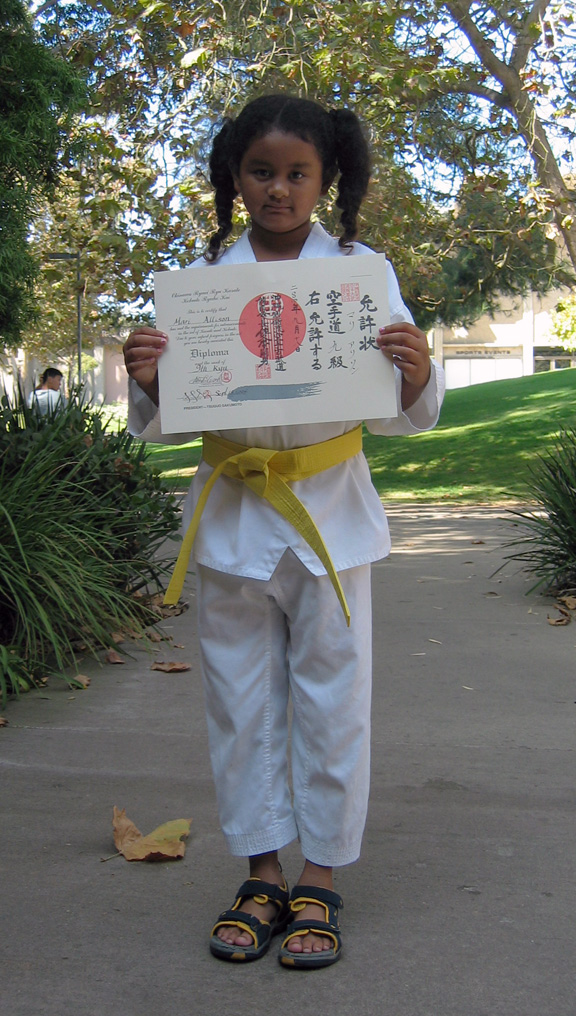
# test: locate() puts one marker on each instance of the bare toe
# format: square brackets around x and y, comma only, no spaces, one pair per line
[234,936]
[311,942]
[313,937]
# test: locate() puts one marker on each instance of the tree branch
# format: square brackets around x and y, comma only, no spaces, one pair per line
[472,87]
[525,38]
[460,11]
[524,111]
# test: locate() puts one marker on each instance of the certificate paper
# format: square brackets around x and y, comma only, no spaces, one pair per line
[274,343]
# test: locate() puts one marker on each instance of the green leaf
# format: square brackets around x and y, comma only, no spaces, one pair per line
[194,57]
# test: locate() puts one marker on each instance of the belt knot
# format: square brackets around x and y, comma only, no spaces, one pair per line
[252,467]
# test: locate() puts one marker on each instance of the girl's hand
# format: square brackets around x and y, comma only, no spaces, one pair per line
[142,349]
[407,347]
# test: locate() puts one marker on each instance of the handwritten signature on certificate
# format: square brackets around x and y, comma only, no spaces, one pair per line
[273,343]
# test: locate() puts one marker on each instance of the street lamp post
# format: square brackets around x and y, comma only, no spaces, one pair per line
[75,257]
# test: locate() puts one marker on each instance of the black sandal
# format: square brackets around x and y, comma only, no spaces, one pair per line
[300,897]
[260,931]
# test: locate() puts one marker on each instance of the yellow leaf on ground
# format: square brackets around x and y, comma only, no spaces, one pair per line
[164,843]
[170,666]
[568,601]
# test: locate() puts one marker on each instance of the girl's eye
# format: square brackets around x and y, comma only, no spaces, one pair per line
[297,175]
[261,174]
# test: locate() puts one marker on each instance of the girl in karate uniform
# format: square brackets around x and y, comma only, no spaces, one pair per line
[270,624]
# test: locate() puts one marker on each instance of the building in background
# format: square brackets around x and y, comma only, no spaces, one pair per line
[514,343]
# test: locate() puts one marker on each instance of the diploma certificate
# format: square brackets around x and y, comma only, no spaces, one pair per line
[274,343]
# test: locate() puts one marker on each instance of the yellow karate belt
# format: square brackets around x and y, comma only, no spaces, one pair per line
[268,472]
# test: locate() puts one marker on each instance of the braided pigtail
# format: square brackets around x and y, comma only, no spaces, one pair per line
[223,183]
[353,158]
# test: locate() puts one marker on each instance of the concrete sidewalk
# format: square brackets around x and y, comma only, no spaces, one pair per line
[464,902]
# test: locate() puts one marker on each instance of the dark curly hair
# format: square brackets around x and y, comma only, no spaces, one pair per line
[337,135]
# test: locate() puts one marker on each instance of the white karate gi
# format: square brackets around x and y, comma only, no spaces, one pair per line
[270,624]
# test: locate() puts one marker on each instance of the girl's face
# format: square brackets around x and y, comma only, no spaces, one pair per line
[280,181]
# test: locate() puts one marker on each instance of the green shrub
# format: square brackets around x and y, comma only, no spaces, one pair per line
[82,515]
[547,546]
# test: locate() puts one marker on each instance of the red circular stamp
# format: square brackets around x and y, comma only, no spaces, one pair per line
[272,326]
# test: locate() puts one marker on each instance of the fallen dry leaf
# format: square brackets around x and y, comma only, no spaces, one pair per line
[172,610]
[3,721]
[164,843]
[113,657]
[155,636]
[477,543]
[170,666]
[564,619]
[118,637]
[80,680]
[131,634]
[568,601]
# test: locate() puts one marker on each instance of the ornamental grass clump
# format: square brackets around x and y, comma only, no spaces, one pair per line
[547,544]
[82,516]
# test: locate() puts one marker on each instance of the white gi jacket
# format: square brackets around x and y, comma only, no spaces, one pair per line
[243,534]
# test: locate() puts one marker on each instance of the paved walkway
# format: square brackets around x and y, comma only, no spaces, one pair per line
[464,902]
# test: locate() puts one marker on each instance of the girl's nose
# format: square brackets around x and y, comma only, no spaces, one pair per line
[278,188]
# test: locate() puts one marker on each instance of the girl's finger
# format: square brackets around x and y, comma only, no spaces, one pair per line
[401,352]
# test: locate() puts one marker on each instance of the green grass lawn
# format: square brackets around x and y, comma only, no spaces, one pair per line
[481,450]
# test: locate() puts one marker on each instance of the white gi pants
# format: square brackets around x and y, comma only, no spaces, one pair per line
[262,641]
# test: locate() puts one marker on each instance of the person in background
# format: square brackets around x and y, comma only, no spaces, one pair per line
[48,397]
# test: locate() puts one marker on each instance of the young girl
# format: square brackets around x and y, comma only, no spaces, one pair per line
[269,623]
